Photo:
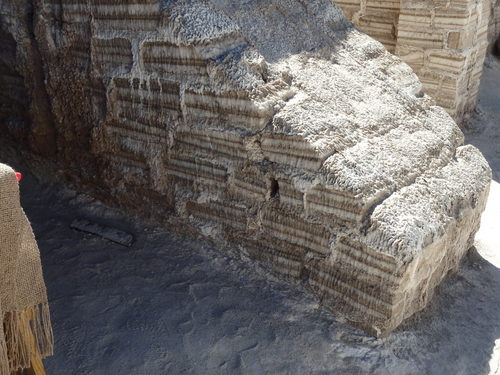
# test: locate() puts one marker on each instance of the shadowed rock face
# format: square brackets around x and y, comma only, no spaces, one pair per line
[24,107]
[303,144]
[494,29]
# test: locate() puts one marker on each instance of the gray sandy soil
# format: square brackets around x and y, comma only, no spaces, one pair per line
[169,305]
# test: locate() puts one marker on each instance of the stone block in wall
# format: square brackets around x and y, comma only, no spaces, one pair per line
[285,259]
[290,150]
[454,18]
[380,25]
[448,62]
[231,107]
[415,29]
[249,185]
[164,57]
[460,39]
[112,56]
[413,56]
[291,227]
[197,173]
[407,36]
[127,15]
[415,19]
[145,101]
[290,194]
[68,11]
[379,5]
[229,215]
[212,143]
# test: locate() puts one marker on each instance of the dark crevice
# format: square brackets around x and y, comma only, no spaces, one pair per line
[496,47]
[366,223]
[43,135]
[274,188]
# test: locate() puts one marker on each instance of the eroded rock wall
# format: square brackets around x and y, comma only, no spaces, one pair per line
[445,42]
[25,111]
[304,145]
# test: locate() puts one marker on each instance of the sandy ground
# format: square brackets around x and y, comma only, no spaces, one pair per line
[484,133]
[169,305]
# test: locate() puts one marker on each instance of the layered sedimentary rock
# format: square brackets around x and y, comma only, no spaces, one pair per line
[305,145]
[445,42]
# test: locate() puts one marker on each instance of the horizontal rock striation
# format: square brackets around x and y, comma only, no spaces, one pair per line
[444,42]
[305,145]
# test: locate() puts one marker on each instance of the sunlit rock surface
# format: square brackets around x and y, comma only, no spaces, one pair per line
[304,144]
[445,42]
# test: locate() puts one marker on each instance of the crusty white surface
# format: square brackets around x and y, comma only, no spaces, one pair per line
[227,100]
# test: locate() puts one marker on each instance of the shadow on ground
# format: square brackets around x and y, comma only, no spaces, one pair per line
[168,305]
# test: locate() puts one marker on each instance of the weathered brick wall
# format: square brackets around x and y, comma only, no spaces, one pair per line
[445,42]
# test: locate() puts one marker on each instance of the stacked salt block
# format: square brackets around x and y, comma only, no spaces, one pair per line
[304,145]
[446,45]
[444,42]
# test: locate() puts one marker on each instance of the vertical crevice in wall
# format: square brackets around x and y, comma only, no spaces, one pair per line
[496,47]
[26,110]
[14,101]
[42,137]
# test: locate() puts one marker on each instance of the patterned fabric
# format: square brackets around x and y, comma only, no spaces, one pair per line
[26,332]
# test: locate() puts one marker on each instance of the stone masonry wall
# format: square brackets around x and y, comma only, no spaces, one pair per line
[445,42]
[303,145]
